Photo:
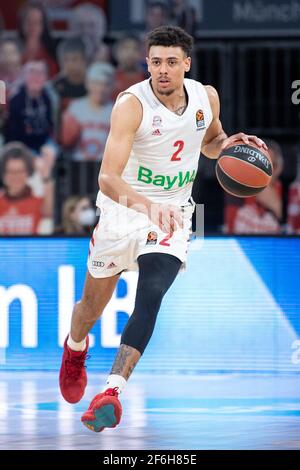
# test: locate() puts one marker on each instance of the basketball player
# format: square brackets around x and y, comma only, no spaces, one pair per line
[158,128]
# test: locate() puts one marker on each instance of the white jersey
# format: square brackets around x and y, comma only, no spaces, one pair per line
[164,158]
[162,166]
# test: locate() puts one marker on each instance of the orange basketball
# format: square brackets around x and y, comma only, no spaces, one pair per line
[244,170]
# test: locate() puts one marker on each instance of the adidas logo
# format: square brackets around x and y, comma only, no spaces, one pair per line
[156,132]
[112,265]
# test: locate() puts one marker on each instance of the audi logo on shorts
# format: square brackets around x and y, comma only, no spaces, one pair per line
[251,159]
[98,264]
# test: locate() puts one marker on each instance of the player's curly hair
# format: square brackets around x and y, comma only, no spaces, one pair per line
[170,36]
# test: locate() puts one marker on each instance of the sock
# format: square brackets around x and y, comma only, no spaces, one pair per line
[76,346]
[115,380]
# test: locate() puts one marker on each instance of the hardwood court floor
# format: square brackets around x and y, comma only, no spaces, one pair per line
[160,412]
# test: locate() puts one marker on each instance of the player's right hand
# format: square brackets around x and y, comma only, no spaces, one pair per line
[167,217]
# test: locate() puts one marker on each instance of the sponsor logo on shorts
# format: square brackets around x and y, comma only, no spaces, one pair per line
[111,265]
[151,238]
[200,119]
[98,264]
[157,121]
[145,175]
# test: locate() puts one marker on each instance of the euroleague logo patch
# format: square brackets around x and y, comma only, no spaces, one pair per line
[200,123]
[151,238]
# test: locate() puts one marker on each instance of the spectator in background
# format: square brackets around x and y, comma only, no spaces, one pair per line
[10,73]
[183,15]
[293,209]
[85,124]
[88,22]
[78,216]
[262,213]
[35,34]
[30,113]
[70,83]
[10,64]
[2,25]
[129,71]
[21,212]
[157,14]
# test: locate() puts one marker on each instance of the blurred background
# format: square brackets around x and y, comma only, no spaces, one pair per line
[63,63]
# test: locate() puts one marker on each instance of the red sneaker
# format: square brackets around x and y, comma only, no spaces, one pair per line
[105,411]
[72,376]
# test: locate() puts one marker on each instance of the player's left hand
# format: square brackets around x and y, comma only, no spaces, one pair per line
[245,138]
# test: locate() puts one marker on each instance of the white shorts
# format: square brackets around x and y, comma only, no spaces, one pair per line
[122,235]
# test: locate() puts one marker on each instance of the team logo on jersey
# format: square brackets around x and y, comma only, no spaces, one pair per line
[157,121]
[156,132]
[200,119]
[151,238]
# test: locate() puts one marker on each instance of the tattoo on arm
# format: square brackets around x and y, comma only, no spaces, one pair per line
[125,361]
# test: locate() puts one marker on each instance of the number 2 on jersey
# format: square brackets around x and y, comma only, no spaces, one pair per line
[180,145]
[164,242]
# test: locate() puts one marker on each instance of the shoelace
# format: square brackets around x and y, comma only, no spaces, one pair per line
[75,364]
[114,392]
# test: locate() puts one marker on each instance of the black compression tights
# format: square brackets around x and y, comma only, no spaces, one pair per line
[157,272]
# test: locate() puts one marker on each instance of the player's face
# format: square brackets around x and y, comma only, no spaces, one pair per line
[167,66]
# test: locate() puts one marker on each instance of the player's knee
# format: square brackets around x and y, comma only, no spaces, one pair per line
[152,291]
[147,305]
[158,288]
